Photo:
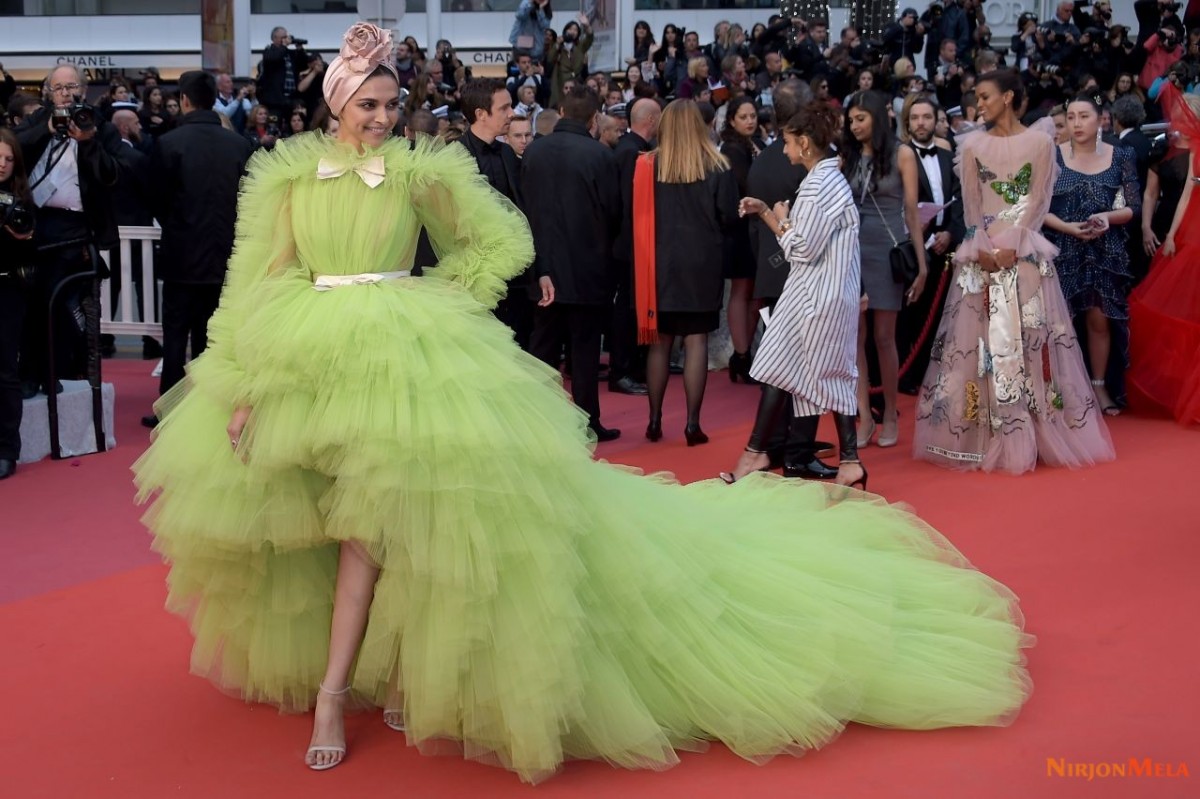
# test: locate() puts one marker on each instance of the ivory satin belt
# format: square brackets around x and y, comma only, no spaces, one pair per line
[327,282]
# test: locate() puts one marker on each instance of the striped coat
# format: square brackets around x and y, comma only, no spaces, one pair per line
[811,343]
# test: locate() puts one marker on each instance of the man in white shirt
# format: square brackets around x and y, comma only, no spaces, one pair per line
[235,105]
[74,162]
[936,185]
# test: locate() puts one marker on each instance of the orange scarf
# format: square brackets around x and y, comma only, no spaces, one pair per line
[644,277]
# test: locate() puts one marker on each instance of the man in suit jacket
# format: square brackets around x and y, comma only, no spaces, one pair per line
[198,167]
[132,200]
[575,214]
[936,183]
[773,178]
[486,103]
[72,172]
[279,79]
[626,363]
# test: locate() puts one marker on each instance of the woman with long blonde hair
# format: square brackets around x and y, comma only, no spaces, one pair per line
[684,199]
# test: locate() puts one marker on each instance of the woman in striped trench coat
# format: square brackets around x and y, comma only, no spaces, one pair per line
[810,347]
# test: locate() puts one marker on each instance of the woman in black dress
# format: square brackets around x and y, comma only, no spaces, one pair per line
[684,201]
[738,147]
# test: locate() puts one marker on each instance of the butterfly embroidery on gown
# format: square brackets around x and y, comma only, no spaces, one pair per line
[1013,191]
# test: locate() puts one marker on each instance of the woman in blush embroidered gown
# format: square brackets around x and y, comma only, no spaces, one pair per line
[1006,385]
[368,494]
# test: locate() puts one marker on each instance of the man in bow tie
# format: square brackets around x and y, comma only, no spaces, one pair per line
[936,184]
[487,105]
[197,167]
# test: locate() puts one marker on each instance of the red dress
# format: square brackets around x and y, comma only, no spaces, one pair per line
[1164,327]
[1164,313]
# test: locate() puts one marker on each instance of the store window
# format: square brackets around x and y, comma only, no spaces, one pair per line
[97,8]
[369,7]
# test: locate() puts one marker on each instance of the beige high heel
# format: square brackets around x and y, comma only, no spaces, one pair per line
[337,749]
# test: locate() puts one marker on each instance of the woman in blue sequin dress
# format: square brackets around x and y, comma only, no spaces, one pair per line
[1095,197]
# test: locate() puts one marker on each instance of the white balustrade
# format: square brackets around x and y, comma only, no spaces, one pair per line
[126,320]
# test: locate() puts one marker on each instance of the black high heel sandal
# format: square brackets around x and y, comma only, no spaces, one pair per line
[694,435]
[728,477]
[862,481]
[654,428]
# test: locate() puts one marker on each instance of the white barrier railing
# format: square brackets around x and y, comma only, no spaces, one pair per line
[126,320]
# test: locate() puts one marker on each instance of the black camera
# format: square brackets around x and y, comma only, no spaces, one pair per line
[273,126]
[82,114]
[299,42]
[15,215]
[1172,7]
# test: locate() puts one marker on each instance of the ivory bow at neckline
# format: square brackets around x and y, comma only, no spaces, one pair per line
[371,170]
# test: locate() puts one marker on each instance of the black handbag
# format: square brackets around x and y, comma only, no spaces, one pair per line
[902,256]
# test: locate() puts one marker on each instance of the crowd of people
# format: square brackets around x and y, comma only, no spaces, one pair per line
[1112,208]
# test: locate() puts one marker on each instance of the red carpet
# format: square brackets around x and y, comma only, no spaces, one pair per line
[100,702]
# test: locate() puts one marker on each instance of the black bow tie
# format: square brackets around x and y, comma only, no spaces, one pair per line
[926,152]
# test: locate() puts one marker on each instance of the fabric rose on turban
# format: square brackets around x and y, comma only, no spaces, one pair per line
[365,46]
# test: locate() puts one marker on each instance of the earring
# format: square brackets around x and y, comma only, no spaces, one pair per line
[1099,136]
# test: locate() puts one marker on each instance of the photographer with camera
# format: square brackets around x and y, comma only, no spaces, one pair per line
[16,263]
[1155,15]
[1162,50]
[282,62]
[73,157]
[905,37]
[1101,16]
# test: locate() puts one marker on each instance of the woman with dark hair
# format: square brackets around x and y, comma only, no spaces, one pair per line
[569,57]
[644,46]
[154,117]
[1095,197]
[685,188]
[16,257]
[810,346]
[1006,384]
[670,50]
[739,149]
[884,178]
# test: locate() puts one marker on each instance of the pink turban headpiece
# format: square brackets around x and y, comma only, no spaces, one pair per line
[365,48]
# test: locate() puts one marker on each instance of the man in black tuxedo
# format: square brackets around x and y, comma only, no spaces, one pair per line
[1128,114]
[936,183]
[198,167]
[575,214]
[486,103]
[627,361]
[772,178]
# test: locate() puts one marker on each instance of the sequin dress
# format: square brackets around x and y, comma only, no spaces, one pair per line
[1006,385]
[1096,273]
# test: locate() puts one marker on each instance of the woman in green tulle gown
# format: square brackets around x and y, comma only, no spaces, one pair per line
[369,496]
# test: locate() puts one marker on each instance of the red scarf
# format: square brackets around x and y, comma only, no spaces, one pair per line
[644,276]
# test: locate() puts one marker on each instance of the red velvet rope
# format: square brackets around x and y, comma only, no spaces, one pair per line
[930,322]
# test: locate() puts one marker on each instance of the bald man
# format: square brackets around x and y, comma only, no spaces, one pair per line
[131,203]
[628,361]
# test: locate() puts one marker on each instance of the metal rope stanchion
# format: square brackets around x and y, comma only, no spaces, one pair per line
[91,309]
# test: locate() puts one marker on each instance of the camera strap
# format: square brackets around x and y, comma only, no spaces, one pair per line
[56,155]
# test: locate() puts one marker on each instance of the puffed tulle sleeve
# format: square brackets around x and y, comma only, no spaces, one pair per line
[481,239]
[1010,225]
[264,249]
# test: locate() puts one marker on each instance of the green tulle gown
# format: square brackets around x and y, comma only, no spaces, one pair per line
[534,605]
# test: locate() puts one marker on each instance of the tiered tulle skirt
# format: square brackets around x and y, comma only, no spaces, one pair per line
[535,605]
